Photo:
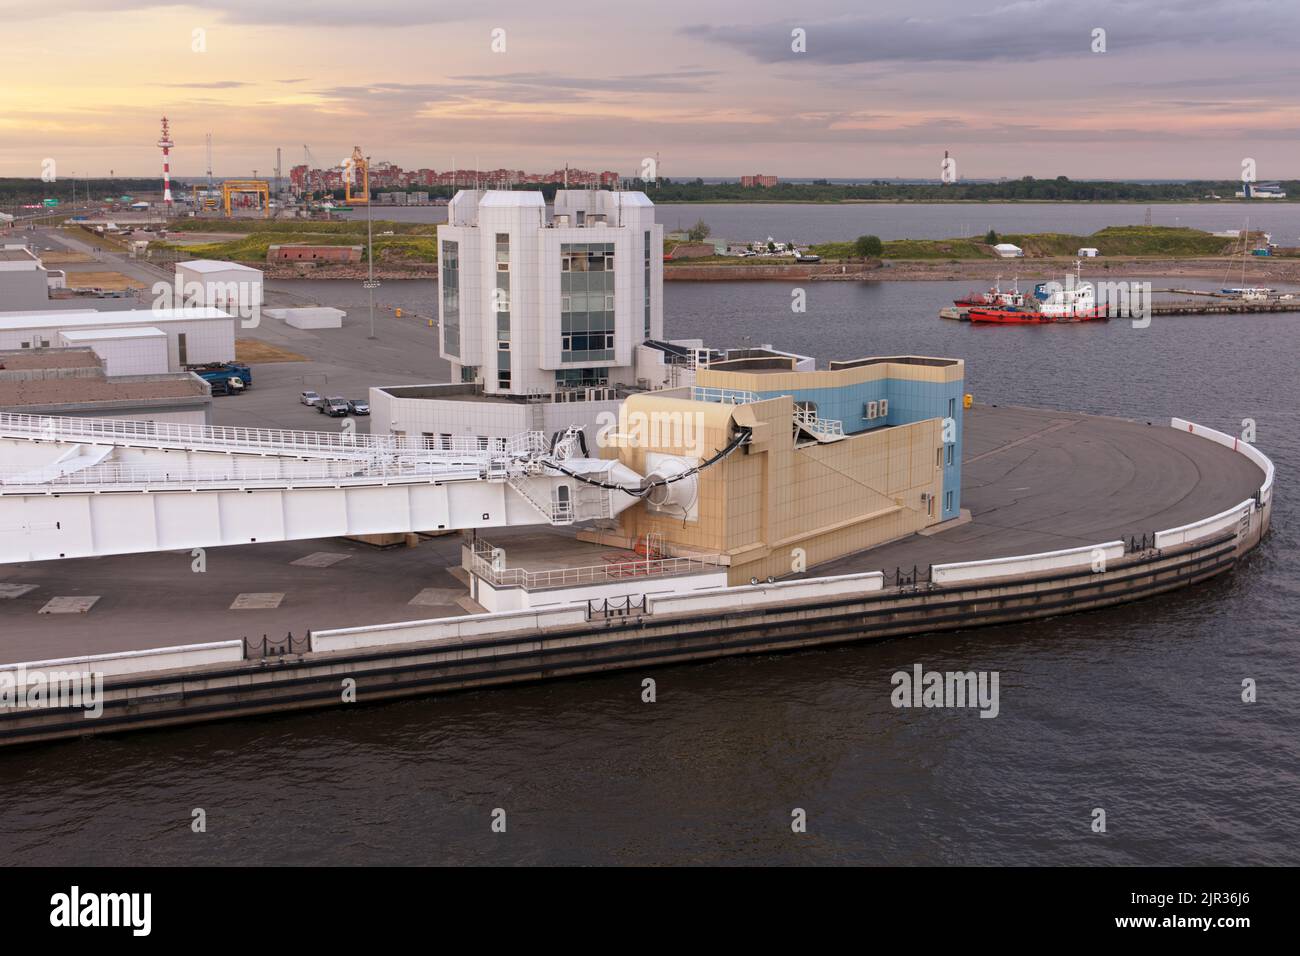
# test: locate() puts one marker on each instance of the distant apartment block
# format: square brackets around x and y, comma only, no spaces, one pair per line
[749,182]
[385,175]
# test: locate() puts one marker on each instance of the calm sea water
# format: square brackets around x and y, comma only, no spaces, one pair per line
[1135,710]
[809,223]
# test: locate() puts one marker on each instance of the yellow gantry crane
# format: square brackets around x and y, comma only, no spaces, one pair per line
[357,167]
[259,186]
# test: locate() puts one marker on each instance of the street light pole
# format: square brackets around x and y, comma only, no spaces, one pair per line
[370,254]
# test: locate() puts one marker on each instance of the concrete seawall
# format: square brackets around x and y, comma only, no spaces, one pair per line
[389,661]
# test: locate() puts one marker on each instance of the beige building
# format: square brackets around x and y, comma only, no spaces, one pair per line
[798,487]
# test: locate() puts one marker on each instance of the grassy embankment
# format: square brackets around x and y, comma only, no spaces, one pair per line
[1113,241]
[409,244]
[416,243]
[1132,241]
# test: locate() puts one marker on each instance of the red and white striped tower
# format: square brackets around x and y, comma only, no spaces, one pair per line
[165,144]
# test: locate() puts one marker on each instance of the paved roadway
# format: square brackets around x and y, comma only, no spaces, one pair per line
[1034,481]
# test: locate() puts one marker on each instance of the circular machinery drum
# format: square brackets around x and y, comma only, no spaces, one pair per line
[670,491]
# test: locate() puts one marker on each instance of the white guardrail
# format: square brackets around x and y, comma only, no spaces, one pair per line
[1237,445]
[963,572]
[139,662]
[481,562]
[764,595]
[447,630]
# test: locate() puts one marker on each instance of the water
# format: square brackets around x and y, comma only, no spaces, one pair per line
[1135,710]
[810,222]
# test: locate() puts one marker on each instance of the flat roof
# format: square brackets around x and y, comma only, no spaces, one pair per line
[926,360]
[213,265]
[95,335]
[17,255]
[21,321]
[82,391]
[512,198]
[23,359]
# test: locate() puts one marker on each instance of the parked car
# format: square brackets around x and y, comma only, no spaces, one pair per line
[359,406]
[309,398]
[335,406]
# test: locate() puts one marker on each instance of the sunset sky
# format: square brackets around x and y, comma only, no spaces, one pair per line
[1186,88]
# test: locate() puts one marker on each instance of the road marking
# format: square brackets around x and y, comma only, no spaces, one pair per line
[258,601]
[1020,441]
[321,559]
[437,597]
[70,605]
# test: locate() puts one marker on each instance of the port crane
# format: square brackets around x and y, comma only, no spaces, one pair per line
[355,167]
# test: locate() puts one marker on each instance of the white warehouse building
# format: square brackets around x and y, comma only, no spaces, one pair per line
[222,285]
[24,281]
[196,336]
[131,351]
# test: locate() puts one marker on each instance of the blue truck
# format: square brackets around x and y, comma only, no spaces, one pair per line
[225,378]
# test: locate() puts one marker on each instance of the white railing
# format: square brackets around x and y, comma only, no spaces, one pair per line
[556,512]
[481,563]
[726,396]
[1237,445]
[822,426]
[118,476]
[226,437]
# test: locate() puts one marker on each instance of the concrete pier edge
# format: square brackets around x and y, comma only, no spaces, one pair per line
[215,682]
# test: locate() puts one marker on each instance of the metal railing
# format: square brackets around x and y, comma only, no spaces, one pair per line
[271,647]
[278,473]
[628,606]
[821,426]
[482,565]
[227,437]
[726,396]
[556,512]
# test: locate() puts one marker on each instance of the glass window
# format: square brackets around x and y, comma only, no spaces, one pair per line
[449,284]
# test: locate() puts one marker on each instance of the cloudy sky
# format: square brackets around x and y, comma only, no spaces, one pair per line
[1184,88]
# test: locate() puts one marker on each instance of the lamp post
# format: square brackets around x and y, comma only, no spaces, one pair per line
[370,283]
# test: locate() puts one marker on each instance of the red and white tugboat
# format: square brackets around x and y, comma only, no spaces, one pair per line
[1078,303]
[994,297]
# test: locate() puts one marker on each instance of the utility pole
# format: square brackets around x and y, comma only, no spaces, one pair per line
[370,283]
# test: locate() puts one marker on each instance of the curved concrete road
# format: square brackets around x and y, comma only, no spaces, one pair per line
[1034,480]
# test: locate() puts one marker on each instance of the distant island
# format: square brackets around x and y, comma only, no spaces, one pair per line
[410,250]
[1026,189]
